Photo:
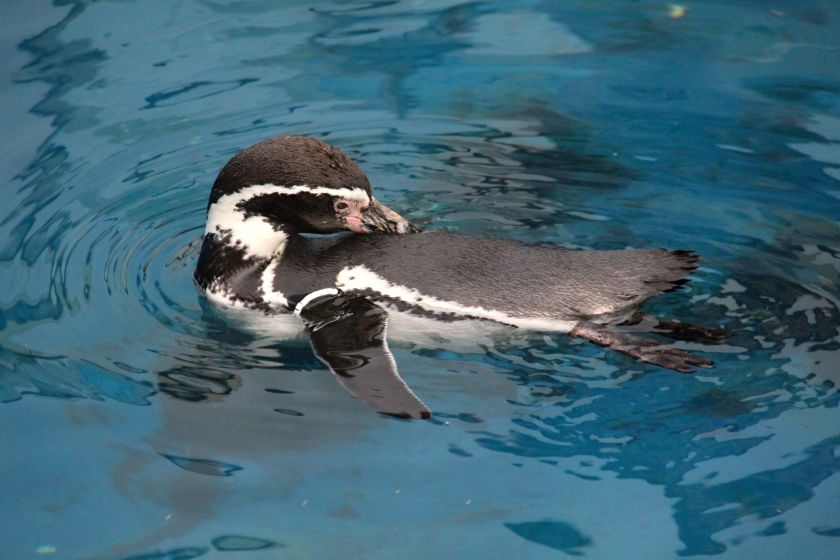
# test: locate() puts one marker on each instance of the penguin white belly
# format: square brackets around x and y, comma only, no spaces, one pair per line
[409,329]
[281,326]
[404,328]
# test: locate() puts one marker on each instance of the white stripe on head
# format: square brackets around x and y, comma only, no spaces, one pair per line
[268,188]
[255,233]
[362,278]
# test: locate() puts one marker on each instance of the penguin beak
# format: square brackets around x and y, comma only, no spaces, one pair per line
[379,218]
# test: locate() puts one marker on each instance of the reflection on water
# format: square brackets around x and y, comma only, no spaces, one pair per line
[203,466]
[554,534]
[226,543]
[131,407]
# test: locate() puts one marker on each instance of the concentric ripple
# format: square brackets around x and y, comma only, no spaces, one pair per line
[142,424]
[120,256]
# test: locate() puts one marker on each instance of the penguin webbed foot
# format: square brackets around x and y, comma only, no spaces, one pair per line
[643,349]
[689,332]
[675,330]
[347,333]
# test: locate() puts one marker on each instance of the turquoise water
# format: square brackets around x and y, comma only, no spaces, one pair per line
[136,424]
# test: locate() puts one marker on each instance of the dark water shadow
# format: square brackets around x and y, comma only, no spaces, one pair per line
[558,535]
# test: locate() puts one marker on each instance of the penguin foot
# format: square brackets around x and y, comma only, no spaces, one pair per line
[643,349]
[676,330]
[689,332]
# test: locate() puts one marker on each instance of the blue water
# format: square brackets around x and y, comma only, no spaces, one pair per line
[135,423]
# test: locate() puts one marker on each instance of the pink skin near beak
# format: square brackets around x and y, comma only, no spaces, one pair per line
[363,217]
[354,224]
[353,215]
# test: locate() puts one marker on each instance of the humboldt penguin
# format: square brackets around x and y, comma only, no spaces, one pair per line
[293,229]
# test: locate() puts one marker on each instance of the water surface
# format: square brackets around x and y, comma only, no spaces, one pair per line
[137,424]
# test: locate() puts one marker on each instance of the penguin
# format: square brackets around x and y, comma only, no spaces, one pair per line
[293,231]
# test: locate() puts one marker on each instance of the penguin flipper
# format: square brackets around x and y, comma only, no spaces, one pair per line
[347,333]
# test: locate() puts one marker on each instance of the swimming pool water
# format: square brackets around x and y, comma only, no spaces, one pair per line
[136,423]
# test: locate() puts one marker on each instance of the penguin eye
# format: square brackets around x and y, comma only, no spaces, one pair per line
[341,205]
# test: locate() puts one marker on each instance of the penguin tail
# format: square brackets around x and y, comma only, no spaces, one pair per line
[671,269]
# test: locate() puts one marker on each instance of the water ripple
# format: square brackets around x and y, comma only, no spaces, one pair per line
[714,131]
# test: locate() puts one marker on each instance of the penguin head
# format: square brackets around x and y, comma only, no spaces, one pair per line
[296,184]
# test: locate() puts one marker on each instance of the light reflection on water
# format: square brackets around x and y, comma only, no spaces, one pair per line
[143,426]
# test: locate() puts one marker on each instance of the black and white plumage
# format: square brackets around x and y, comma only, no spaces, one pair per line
[256,257]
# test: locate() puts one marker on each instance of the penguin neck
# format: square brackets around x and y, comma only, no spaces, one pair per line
[226,267]
[255,235]
[237,248]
